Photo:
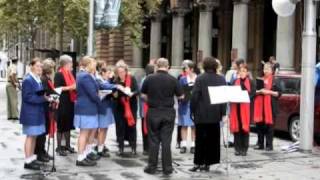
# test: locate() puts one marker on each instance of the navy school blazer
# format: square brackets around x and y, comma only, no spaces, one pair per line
[88,100]
[33,103]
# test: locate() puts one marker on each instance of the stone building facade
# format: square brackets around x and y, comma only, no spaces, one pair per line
[226,29]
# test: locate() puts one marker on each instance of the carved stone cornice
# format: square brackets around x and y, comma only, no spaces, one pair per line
[207,5]
[241,1]
[157,16]
[179,11]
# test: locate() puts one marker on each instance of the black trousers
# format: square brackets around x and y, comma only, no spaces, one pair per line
[124,132]
[265,132]
[160,129]
[179,138]
[144,136]
[241,141]
[207,150]
[40,145]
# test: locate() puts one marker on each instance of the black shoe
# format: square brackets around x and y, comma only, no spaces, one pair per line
[61,151]
[244,153]
[195,168]
[183,150]
[92,156]
[192,150]
[86,162]
[167,172]
[32,166]
[149,170]
[43,158]
[120,152]
[205,168]
[38,162]
[237,153]
[230,144]
[269,148]
[104,154]
[258,147]
[70,149]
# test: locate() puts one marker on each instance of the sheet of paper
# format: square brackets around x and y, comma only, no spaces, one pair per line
[225,94]
[239,97]
[127,91]
[104,93]
[58,90]
[218,94]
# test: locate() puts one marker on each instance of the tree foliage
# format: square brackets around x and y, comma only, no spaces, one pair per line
[24,17]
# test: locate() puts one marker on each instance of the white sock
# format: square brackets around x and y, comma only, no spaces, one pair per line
[34,157]
[87,150]
[28,160]
[81,156]
[193,144]
[100,148]
[183,143]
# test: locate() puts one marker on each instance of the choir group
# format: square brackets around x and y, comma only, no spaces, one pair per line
[99,95]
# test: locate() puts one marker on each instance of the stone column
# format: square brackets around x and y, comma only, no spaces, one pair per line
[155,39]
[285,42]
[240,28]
[205,27]
[177,50]
[136,56]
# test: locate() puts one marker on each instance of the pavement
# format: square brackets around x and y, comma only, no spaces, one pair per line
[258,165]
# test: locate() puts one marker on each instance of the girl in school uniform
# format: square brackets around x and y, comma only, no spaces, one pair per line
[86,110]
[184,118]
[32,116]
[106,117]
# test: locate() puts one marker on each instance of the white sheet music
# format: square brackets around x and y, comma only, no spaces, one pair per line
[225,94]
[58,90]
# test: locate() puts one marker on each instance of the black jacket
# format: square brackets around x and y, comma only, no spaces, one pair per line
[274,100]
[201,108]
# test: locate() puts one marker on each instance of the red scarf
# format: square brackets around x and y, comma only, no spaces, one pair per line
[145,112]
[262,104]
[126,104]
[69,79]
[244,112]
[52,122]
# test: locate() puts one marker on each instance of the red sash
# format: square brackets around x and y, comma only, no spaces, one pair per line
[52,122]
[262,104]
[244,112]
[145,112]
[69,79]
[126,104]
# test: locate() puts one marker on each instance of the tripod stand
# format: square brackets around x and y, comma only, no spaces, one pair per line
[51,136]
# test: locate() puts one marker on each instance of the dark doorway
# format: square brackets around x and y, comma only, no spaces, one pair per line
[269,31]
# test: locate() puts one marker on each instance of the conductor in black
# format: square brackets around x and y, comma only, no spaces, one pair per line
[159,91]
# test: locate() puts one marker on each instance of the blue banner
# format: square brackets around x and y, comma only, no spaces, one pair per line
[106,13]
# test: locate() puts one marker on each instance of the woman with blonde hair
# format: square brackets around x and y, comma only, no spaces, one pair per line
[125,110]
[86,110]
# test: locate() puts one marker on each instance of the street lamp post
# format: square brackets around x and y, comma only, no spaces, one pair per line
[309,42]
[90,32]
